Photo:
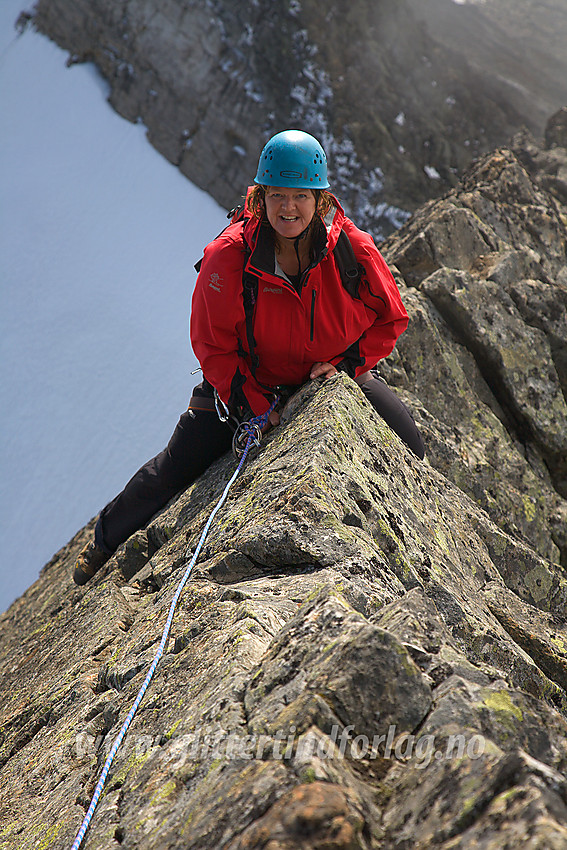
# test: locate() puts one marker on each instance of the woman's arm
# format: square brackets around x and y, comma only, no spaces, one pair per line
[379,292]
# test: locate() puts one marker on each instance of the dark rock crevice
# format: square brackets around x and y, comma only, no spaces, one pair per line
[495,372]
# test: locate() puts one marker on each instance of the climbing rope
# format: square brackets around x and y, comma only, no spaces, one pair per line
[253,432]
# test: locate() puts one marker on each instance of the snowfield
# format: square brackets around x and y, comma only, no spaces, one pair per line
[98,236]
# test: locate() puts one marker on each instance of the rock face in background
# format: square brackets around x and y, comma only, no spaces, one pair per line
[519,44]
[403,94]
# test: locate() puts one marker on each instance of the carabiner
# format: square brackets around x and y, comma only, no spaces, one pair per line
[224,416]
[244,432]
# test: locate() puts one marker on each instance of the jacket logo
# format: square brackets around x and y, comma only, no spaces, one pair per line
[215,281]
[277,290]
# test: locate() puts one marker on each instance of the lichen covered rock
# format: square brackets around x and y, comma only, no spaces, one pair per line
[380,670]
[483,363]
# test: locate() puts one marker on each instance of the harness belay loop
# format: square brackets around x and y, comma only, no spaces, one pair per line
[244,432]
[250,430]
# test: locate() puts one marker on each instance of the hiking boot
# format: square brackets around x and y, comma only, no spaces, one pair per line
[91,559]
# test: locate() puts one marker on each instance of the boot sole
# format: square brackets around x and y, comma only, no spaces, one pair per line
[80,577]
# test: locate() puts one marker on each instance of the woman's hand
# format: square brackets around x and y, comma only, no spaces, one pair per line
[327,370]
[273,420]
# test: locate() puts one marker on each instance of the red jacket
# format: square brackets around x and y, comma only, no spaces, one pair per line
[292,331]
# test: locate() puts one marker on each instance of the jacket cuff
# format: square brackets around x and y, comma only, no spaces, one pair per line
[257,401]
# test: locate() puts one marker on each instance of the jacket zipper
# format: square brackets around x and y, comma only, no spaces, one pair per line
[313,297]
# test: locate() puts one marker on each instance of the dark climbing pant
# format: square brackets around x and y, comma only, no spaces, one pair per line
[395,413]
[199,439]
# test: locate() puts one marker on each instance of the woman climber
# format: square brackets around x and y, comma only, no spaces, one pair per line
[271,308]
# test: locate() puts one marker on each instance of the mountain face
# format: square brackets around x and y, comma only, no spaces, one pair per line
[403,94]
[521,45]
[372,650]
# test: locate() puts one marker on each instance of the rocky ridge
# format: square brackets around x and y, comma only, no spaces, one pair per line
[486,283]
[372,651]
[400,105]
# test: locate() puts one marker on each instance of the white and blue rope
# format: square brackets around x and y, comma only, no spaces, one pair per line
[100,785]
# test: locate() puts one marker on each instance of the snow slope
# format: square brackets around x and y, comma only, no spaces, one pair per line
[98,236]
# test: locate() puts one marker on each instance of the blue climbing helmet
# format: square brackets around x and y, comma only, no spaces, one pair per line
[293,159]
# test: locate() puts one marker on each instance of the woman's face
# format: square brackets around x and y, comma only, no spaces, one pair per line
[289,211]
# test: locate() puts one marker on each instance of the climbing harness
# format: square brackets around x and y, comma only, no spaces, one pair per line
[252,434]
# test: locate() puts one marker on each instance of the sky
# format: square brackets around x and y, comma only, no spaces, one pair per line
[98,237]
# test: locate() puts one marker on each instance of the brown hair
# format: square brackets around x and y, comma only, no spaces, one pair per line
[255,201]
